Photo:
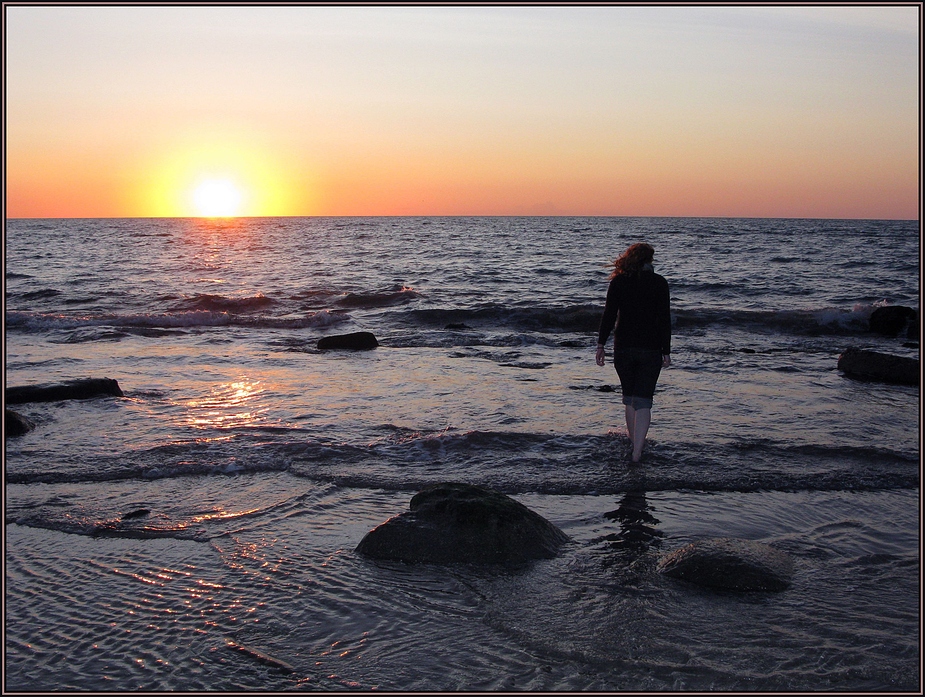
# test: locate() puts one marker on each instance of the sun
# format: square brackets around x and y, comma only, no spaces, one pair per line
[217,198]
[223,173]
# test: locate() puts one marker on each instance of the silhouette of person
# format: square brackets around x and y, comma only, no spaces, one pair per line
[637,311]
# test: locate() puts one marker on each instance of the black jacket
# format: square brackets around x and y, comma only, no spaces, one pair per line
[639,305]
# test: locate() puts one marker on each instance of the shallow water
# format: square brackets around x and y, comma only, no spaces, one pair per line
[250,464]
[278,575]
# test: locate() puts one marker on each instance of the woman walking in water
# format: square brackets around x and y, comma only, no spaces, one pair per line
[638,304]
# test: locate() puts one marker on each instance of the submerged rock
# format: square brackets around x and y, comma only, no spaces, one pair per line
[357,341]
[16,424]
[462,523]
[259,656]
[742,565]
[73,389]
[882,367]
[140,513]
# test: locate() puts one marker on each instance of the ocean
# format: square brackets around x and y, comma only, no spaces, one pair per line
[198,533]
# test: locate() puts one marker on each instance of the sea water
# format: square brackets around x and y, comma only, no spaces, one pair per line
[199,532]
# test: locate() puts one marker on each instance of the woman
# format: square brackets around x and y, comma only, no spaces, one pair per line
[637,301]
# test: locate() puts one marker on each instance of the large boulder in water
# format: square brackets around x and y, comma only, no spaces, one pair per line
[729,563]
[357,341]
[462,523]
[891,320]
[73,389]
[882,367]
[16,424]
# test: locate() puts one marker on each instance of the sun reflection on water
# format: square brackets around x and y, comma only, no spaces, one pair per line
[222,515]
[229,405]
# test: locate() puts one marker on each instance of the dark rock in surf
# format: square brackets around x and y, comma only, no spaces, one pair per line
[458,326]
[890,321]
[73,389]
[462,523]
[881,367]
[16,425]
[732,564]
[259,656]
[913,331]
[357,341]
[140,513]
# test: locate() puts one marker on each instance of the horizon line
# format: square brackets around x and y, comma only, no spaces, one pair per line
[478,215]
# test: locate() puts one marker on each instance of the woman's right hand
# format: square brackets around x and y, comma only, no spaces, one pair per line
[599,355]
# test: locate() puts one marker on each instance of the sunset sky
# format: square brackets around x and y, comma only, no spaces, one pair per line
[777,111]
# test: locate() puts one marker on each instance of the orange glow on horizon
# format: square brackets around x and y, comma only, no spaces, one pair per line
[219,178]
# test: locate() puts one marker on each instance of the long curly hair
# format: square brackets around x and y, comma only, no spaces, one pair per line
[633,259]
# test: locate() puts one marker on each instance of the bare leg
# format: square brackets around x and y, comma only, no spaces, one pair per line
[641,420]
[630,422]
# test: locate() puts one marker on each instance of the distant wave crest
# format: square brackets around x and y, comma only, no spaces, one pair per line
[370,300]
[42,322]
[204,302]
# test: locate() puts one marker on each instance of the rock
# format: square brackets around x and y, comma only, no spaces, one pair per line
[357,341]
[259,656]
[461,523]
[733,564]
[140,513]
[16,425]
[891,320]
[73,389]
[882,367]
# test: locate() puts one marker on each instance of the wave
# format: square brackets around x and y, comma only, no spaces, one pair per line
[509,461]
[403,460]
[44,322]
[570,318]
[556,326]
[136,522]
[586,319]
[219,303]
[813,322]
[38,294]
[371,300]
[115,527]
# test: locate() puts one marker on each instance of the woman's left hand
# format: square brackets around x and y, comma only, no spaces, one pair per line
[599,355]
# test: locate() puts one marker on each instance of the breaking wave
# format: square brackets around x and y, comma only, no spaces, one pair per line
[586,318]
[371,300]
[221,304]
[43,322]
[512,462]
